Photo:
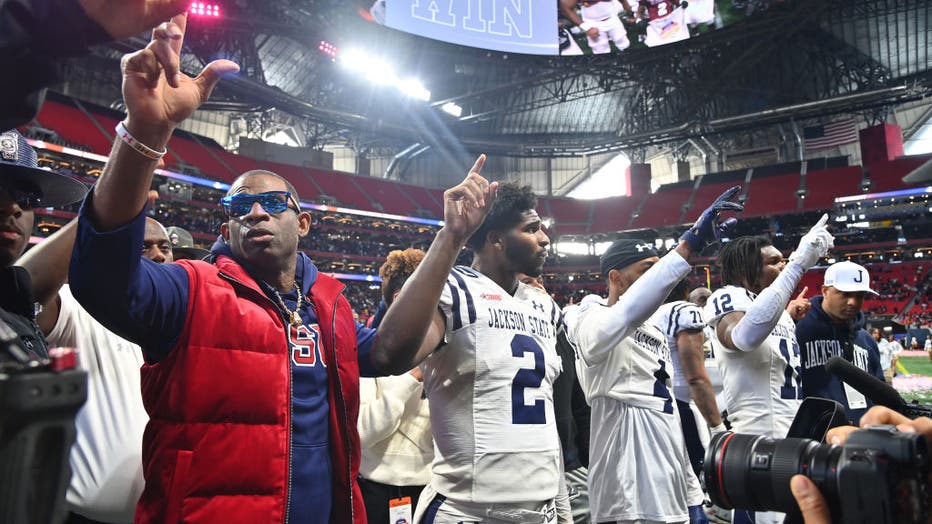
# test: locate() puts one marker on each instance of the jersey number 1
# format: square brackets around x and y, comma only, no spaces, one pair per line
[522,413]
[788,390]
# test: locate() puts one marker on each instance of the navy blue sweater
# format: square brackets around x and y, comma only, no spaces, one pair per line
[820,338]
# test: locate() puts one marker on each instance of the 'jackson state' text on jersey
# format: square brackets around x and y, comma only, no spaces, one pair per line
[673,318]
[762,387]
[636,372]
[490,388]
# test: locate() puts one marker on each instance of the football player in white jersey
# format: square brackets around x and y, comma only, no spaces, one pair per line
[638,468]
[665,21]
[599,19]
[682,324]
[755,340]
[489,360]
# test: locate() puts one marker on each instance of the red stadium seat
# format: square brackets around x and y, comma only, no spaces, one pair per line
[888,176]
[824,185]
[772,194]
[664,207]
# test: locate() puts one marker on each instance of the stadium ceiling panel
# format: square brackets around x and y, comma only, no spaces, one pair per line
[800,59]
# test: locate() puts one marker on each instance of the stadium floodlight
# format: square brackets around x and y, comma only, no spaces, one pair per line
[452,109]
[379,72]
[415,89]
[204,9]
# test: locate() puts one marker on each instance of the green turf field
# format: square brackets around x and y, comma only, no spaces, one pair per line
[918,366]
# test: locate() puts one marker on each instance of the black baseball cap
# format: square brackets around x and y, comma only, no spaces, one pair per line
[19,169]
[624,252]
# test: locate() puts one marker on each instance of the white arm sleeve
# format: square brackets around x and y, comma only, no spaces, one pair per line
[599,333]
[764,313]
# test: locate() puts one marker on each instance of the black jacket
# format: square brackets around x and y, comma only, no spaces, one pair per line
[34,37]
[570,409]
[17,311]
[821,338]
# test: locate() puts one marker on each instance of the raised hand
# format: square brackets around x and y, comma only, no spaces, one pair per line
[799,306]
[466,205]
[157,95]
[814,244]
[707,229]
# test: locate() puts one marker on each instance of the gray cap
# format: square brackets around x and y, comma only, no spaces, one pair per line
[183,243]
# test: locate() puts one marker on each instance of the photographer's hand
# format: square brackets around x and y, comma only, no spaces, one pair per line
[807,494]
[810,500]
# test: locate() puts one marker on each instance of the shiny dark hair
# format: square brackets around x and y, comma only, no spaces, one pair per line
[511,201]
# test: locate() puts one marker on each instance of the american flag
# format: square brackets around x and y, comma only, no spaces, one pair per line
[831,134]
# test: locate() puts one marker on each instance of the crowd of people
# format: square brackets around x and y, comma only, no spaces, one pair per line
[240,384]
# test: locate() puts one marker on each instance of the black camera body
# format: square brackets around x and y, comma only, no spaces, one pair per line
[878,476]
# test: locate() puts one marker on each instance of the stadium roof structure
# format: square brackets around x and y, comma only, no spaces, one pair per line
[797,60]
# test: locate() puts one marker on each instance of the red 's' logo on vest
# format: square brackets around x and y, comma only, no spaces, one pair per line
[305,345]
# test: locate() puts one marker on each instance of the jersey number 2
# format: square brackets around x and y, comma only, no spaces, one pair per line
[522,413]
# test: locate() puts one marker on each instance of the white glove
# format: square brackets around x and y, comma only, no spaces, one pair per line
[715,430]
[814,244]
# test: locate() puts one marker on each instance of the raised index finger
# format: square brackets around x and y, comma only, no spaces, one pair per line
[802,294]
[181,20]
[477,167]
[822,221]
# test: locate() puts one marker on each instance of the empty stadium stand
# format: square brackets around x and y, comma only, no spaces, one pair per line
[772,189]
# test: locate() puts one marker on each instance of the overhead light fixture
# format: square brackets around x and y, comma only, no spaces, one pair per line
[415,89]
[328,49]
[379,72]
[204,9]
[452,109]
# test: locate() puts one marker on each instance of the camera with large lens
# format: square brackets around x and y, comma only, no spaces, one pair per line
[878,476]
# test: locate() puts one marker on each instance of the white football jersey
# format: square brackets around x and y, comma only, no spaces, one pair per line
[711,364]
[490,388]
[600,10]
[763,389]
[667,25]
[672,319]
[636,372]
[633,418]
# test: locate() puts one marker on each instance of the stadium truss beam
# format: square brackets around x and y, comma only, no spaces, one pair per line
[765,71]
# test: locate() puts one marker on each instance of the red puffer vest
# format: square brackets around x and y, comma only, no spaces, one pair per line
[216,449]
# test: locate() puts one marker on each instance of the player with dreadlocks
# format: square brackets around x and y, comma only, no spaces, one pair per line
[755,337]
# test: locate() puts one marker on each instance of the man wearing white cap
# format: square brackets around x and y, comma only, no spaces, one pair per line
[835,327]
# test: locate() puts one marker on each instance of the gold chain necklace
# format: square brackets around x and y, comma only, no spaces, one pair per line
[293,316]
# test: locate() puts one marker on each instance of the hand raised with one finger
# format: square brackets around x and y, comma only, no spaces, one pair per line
[157,95]
[466,204]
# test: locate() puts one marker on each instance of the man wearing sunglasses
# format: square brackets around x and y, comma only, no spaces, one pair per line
[252,357]
[23,187]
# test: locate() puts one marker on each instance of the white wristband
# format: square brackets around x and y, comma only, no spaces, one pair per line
[715,430]
[140,148]
[586,26]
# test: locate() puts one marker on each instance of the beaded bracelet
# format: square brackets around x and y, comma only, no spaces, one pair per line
[140,148]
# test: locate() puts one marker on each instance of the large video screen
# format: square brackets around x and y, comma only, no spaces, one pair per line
[559,27]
